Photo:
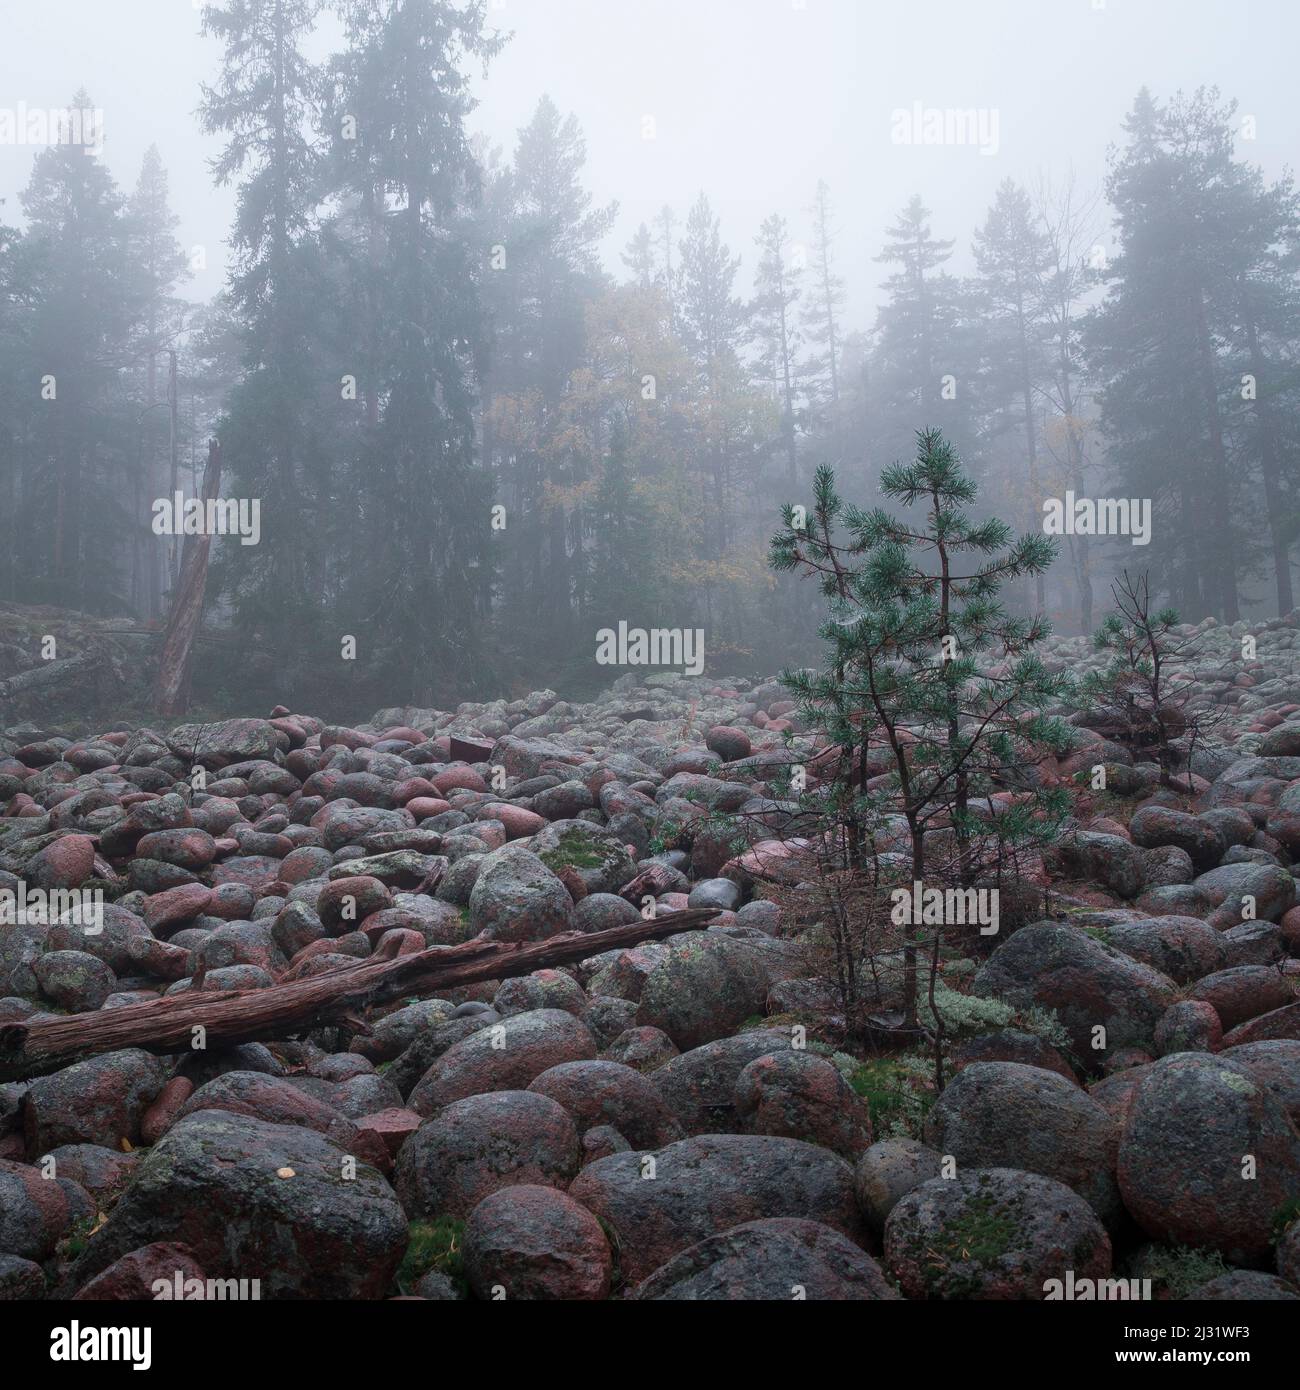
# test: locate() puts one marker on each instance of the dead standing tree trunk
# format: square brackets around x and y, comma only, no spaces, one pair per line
[172,686]
[168,1025]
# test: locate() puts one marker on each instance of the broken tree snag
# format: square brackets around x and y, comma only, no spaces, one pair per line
[657,879]
[42,1045]
[172,685]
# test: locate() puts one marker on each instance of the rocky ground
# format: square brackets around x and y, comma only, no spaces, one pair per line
[680,1120]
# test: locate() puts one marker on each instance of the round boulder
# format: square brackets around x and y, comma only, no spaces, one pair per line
[481,1144]
[802,1096]
[993,1114]
[703,987]
[706,1185]
[99,1101]
[886,1173]
[536,1243]
[1188,1026]
[256,1199]
[1184,948]
[605,1093]
[517,898]
[777,1259]
[506,1055]
[1088,984]
[993,1233]
[1208,1156]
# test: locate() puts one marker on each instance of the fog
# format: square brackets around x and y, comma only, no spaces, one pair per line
[753,100]
[697,590]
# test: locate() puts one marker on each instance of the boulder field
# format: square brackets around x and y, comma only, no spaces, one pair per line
[687,1118]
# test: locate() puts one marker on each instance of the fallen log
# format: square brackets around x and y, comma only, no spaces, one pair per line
[51,673]
[30,1048]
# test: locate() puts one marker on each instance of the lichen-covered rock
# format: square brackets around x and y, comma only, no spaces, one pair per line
[994,1114]
[120,930]
[99,1101]
[36,1211]
[1011,1045]
[543,989]
[1109,860]
[703,987]
[993,1233]
[706,1185]
[1184,948]
[1247,892]
[886,1173]
[1275,1064]
[1188,1026]
[517,898]
[20,1280]
[645,1049]
[802,1096]
[604,1093]
[477,1145]
[134,1277]
[597,856]
[1208,1157]
[700,1085]
[536,1243]
[1090,986]
[275,1100]
[232,740]
[104,1173]
[505,1056]
[1283,1023]
[1244,992]
[74,980]
[259,1200]
[1161,825]
[780,1258]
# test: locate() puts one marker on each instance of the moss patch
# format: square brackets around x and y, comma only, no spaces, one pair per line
[574,850]
[888,1085]
[433,1245]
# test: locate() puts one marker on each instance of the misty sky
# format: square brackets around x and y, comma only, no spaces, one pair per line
[753,100]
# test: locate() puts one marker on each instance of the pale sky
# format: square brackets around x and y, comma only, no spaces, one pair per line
[752,100]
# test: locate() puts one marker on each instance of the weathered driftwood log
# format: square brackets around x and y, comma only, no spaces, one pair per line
[228,1017]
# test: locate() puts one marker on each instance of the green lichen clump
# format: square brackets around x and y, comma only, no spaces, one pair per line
[969,1016]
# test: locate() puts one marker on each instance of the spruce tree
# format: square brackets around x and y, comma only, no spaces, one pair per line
[925,364]
[82,430]
[1012,256]
[778,291]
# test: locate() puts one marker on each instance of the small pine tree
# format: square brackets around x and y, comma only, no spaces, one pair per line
[1141,697]
[934,698]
